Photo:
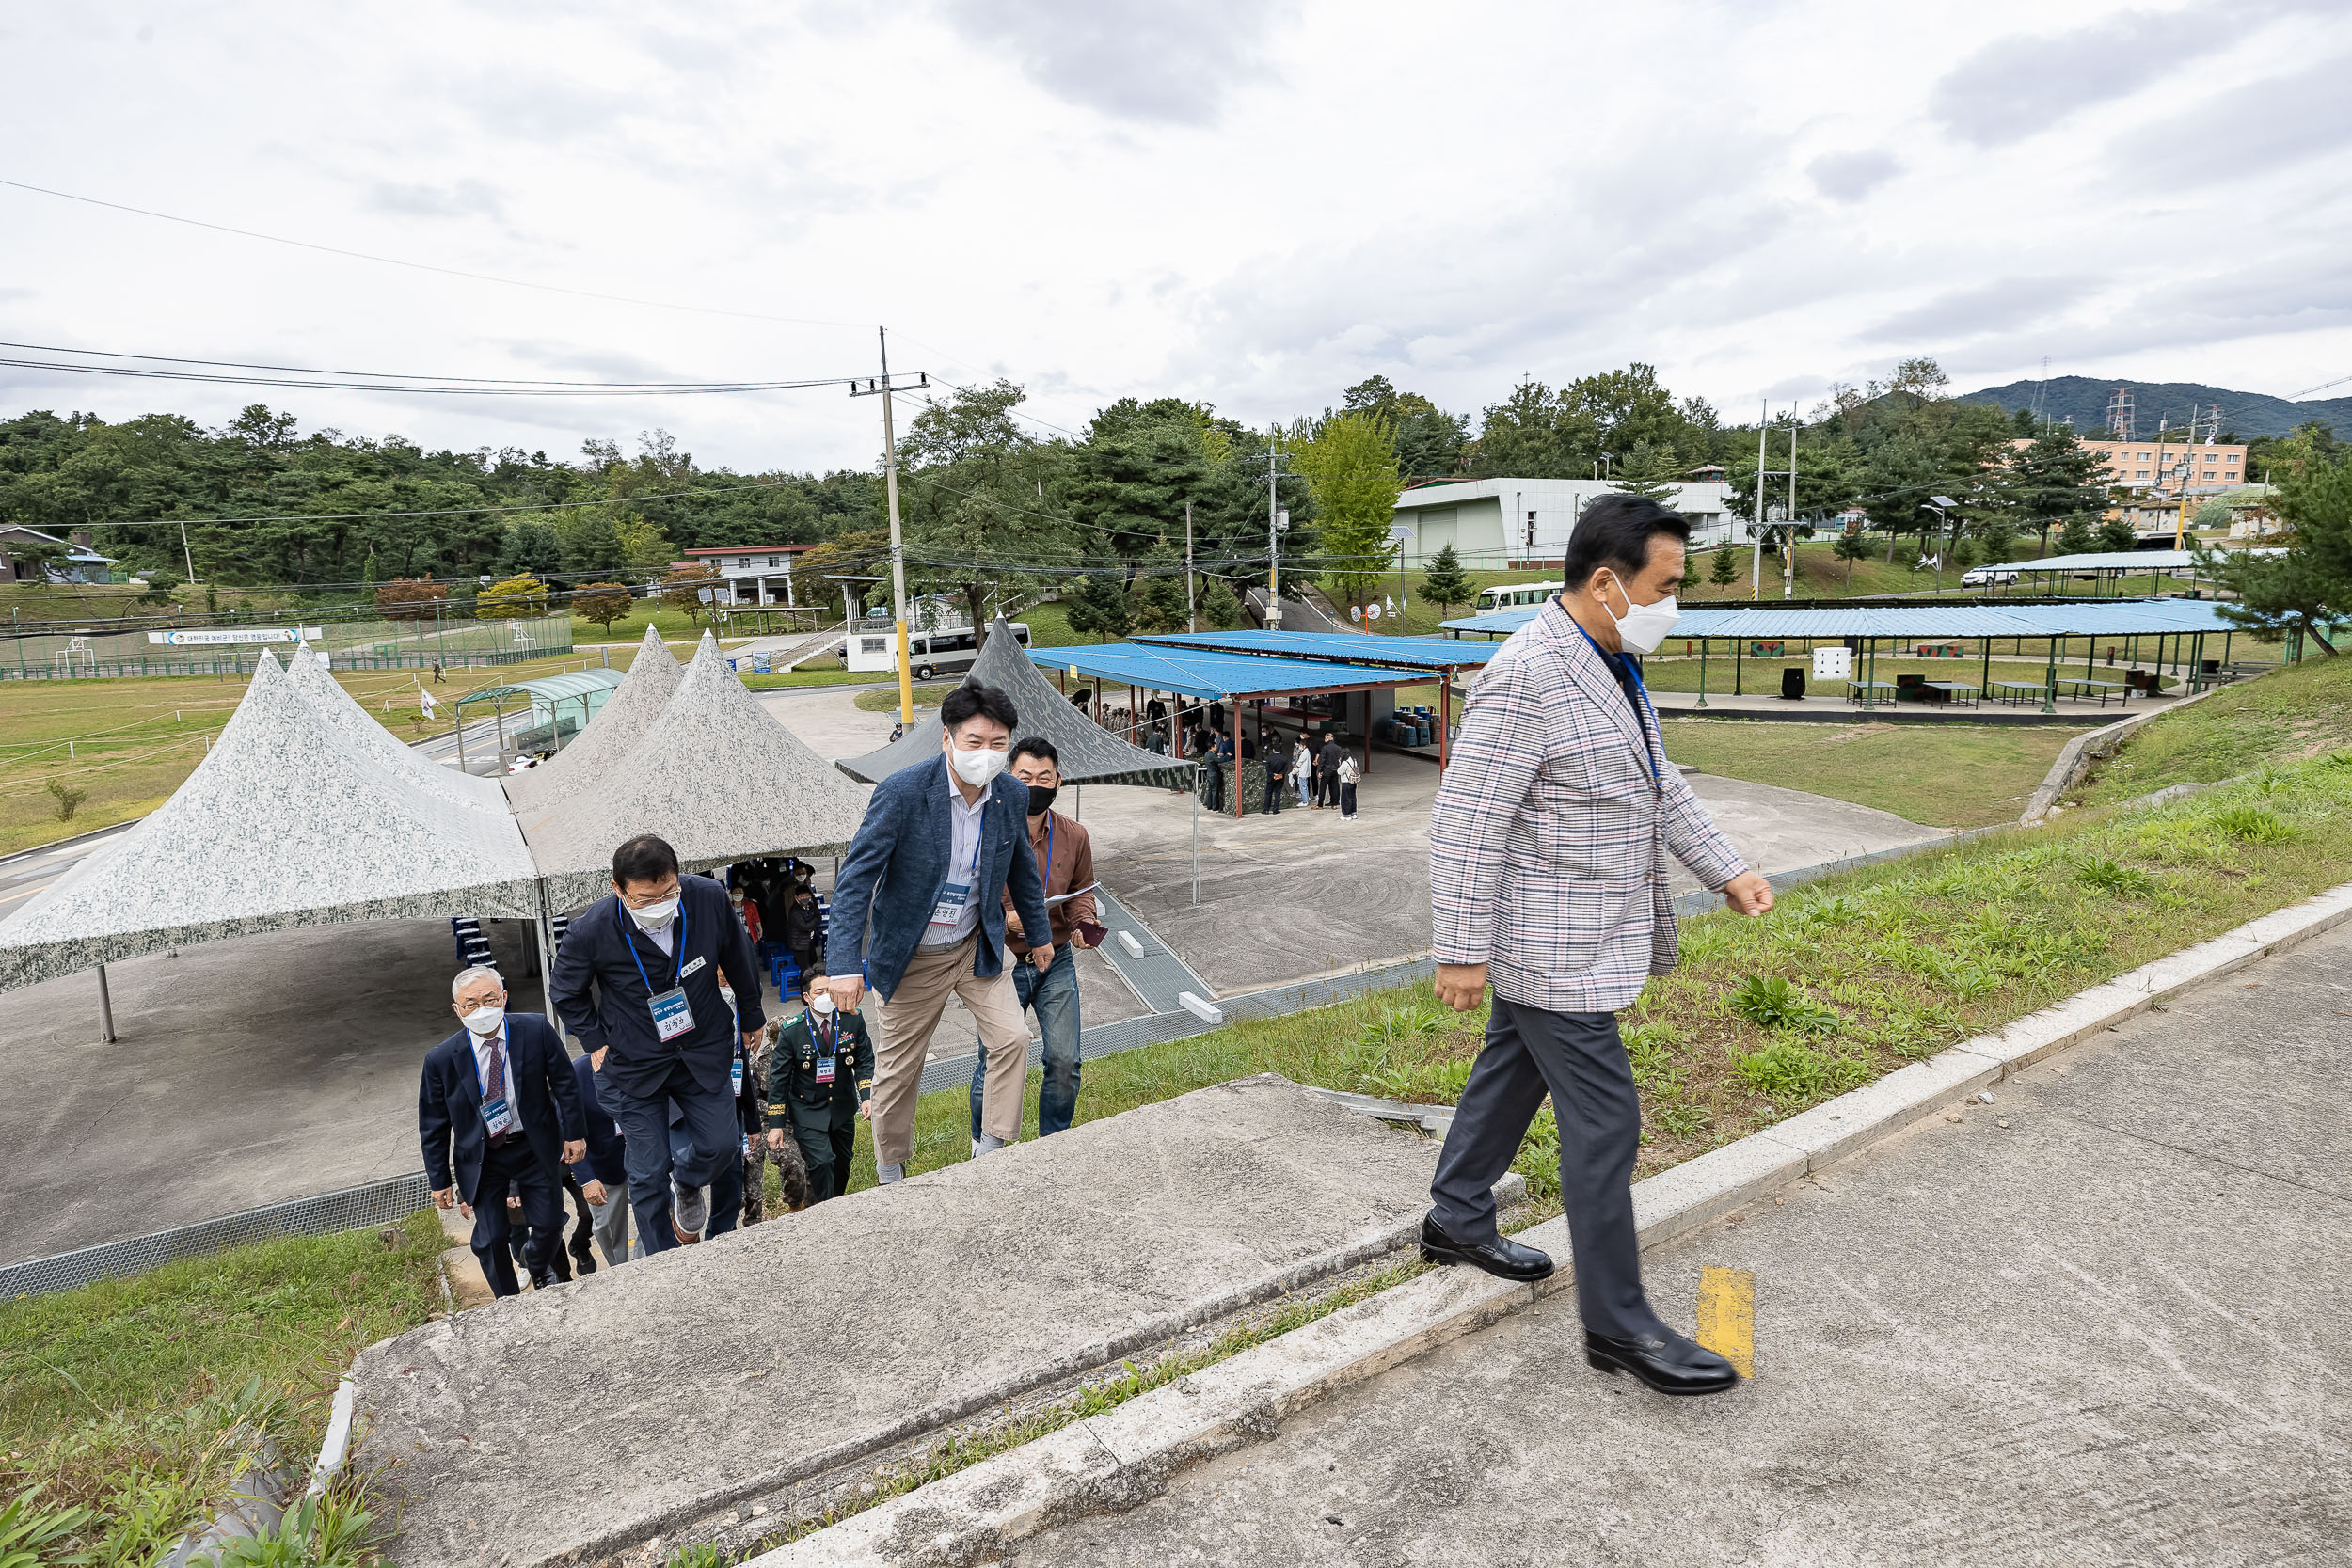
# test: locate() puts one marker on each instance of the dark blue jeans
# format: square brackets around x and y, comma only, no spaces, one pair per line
[1055,995]
[715,1133]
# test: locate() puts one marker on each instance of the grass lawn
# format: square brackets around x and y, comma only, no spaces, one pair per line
[1943,775]
[141,1398]
[2294,713]
[927,694]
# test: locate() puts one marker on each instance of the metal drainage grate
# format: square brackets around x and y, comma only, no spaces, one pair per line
[353,1208]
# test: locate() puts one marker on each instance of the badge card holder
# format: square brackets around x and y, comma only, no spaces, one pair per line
[671,1015]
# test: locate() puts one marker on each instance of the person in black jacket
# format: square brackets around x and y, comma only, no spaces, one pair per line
[820,1079]
[800,926]
[498,1112]
[637,980]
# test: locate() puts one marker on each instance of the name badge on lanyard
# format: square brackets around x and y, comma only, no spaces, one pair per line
[671,1015]
[955,896]
[825,1063]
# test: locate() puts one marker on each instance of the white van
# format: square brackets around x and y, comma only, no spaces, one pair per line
[1513,595]
[949,650]
[1985,576]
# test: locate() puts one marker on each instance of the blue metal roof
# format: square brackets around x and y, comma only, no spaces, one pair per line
[1412,653]
[1211,673]
[2117,618]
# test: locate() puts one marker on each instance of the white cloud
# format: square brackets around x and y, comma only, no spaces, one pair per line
[1251,205]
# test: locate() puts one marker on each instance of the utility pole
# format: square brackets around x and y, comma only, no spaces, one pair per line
[184,554]
[1756,525]
[1192,614]
[897,543]
[1273,539]
[1789,553]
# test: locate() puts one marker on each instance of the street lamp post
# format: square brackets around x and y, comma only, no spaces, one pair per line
[1939,505]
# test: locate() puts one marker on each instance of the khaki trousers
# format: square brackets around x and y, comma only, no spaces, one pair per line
[908,1021]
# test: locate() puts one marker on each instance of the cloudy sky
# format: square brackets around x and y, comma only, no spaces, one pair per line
[1252,204]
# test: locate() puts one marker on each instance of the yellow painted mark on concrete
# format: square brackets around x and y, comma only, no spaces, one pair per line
[1727,1316]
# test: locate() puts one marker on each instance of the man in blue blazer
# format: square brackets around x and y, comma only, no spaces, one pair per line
[499,1094]
[919,904]
[637,980]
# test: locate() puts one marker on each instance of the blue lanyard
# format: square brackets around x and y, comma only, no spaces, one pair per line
[1639,685]
[677,954]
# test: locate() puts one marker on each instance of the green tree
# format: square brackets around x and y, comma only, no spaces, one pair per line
[1533,434]
[1849,547]
[1349,463]
[603,603]
[1219,605]
[1430,443]
[2116,535]
[850,562]
[1162,608]
[984,501]
[2000,543]
[1724,570]
[2053,480]
[644,546]
[534,547]
[2078,537]
[1139,464]
[1446,583]
[512,598]
[1897,477]
[1650,471]
[1100,606]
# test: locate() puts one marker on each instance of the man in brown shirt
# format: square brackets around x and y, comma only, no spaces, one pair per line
[1065,856]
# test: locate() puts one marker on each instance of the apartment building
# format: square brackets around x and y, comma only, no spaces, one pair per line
[2154,465]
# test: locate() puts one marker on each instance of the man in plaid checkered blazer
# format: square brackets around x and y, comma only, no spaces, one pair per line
[1547,853]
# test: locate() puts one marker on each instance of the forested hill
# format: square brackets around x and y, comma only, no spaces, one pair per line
[2245,414]
[324,507]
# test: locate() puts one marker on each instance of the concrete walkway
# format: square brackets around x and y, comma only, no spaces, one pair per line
[2106,1320]
[577,1422]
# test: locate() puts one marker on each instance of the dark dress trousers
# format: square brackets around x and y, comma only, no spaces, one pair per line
[605,1001]
[457,1146]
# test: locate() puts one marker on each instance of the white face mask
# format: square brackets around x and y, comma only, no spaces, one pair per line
[485,1021]
[820,1003]
[979,768]
[653,916]
[1642,626]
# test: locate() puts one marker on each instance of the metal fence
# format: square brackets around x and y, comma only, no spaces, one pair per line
[372,644]
[377,1203]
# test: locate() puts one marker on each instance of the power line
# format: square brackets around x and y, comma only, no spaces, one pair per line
[406,375]
[428,266]
[381,381]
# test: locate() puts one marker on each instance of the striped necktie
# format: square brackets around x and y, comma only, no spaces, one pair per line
[494,1085]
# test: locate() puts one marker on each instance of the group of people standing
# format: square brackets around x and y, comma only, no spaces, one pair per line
[686,1090]
[1322,777]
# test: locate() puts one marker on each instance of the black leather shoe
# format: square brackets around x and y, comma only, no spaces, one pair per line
[584,1262]
[1667,1362]
[1502,1256]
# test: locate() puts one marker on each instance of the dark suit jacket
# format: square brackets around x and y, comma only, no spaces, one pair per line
[448,1101]
[617,1016]
[897,865]
[602,1162]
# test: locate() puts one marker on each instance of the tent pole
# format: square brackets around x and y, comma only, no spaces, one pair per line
[106,1010]
[544,928]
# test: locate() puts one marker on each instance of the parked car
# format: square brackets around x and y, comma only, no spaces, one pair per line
[1985,576]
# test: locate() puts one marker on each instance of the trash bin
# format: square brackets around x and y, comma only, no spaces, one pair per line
[1792,684]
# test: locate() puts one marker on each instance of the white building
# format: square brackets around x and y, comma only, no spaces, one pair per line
[1514,524]
[755,573]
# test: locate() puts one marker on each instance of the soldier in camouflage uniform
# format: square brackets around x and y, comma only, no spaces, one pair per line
[821,1078]
[758,1152]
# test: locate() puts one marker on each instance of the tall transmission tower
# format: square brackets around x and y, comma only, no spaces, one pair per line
[2120,416]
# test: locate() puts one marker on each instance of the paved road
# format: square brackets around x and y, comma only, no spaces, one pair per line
[2106,1320]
